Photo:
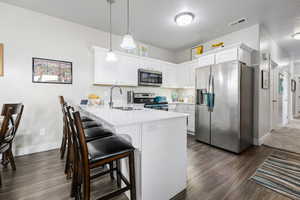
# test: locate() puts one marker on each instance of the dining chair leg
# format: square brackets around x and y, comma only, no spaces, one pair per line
[4,161]
[132,176]
[86,186]
[63,144]
[0,180]
[118,173]
[111,166]
[11,159]
[75,182]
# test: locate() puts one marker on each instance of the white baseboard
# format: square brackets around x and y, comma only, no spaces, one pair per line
[34,149]
[260,141]
[191,133]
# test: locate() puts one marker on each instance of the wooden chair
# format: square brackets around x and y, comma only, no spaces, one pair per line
[64,141]
[12,114]
[93,131]
[97,153]
[64,138]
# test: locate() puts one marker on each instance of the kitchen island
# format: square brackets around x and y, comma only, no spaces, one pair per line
[160,139]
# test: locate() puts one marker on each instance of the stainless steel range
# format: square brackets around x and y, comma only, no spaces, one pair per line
[151,101]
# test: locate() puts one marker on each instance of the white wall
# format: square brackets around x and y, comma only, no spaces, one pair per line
[28,34]
[262,113]
[249,36]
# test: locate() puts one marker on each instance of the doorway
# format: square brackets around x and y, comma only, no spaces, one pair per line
[274,109]
[283,98]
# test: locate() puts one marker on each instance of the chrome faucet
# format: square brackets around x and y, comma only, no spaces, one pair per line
[111,103]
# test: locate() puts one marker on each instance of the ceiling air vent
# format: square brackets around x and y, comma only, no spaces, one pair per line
[239,21]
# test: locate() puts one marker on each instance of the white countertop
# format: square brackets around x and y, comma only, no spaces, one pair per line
[115,117]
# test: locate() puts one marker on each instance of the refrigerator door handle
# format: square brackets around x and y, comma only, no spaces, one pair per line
[208,95]
[212,93]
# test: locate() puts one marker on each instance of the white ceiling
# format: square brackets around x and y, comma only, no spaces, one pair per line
[153,20]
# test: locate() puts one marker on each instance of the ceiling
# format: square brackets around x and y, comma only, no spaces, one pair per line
[153,20]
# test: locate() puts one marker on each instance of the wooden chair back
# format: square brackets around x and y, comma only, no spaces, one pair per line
[80,137]
[12,114]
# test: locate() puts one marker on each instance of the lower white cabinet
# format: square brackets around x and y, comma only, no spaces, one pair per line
[187,109]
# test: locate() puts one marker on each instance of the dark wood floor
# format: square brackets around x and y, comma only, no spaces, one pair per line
[213,174]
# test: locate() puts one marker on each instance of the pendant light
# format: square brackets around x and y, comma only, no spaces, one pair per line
[128,41]
[110,56]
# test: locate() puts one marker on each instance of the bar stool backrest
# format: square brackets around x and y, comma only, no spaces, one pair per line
[80,137]
[12,116]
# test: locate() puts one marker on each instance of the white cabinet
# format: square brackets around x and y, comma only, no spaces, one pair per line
[206,60]
[169,75]
[128,70]
[104,72]
[190,110]
[238,52]
[121,72]
[227,55]
[186,74]
[150,64]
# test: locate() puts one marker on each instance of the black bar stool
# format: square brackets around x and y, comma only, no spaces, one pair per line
[96,153]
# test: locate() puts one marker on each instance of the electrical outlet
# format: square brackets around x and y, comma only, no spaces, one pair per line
[43,131]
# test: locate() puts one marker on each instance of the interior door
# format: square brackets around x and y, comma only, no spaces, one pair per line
[225,117]
[202,116]
[274,114]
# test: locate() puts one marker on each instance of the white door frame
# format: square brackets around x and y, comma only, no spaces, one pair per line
[273,68]
[297,96]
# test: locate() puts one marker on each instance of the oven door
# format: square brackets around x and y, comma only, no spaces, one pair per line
[149,78]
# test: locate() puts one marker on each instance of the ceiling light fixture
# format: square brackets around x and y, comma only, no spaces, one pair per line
[128,41]
[184,19]
[296,36]
[110,56]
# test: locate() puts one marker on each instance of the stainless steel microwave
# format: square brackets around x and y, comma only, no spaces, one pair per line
[149,77]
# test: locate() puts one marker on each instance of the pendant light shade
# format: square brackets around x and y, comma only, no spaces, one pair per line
[128,41]
[110,56]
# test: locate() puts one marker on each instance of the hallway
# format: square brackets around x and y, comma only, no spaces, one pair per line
[285,138]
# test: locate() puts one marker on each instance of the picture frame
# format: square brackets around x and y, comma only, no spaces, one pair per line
[265,79]
[1,59]
[51,71]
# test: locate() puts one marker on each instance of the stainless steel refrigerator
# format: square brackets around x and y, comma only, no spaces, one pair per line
[224,105]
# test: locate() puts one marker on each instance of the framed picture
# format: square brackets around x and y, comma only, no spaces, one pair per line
[1,60]
[265,79]
[51,71]
[293,85]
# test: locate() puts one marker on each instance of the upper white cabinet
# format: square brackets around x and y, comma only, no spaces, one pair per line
[186,74]
[128,70]
[104,72]
[238,52]
[169,75]
[206,60]
[122,72]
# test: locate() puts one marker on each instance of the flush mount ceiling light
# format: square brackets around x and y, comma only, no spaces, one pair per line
[110,56]
[184,19]
[296,36]
[128,41]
